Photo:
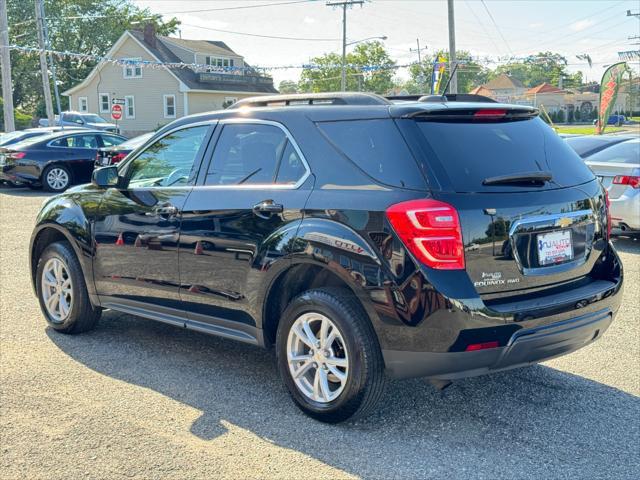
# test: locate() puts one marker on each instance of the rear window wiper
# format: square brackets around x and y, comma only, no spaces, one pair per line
[524,178]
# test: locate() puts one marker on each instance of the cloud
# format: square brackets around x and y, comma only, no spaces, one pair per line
[581,25]
[536,25]
[309,20]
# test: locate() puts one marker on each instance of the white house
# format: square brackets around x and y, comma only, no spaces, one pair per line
[156,96]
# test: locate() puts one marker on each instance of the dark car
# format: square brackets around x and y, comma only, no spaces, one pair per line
[116,153]
[20,135]
[54,161]
[333,228]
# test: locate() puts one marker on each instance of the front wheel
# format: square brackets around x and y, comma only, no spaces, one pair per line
[56,178]
[62,291]
[328,355]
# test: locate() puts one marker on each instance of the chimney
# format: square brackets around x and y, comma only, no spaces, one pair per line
[150,35]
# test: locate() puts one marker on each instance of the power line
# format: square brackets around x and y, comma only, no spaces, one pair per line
[262,36]
[496,25]
[239,7]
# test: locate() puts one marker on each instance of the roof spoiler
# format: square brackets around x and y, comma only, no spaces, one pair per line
[448,97]
[331,98]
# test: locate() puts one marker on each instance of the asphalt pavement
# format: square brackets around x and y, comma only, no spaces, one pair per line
[139,399]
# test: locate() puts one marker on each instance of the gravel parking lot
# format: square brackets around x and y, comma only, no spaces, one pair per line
[140,399]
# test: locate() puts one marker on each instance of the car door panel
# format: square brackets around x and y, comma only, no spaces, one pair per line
[137,229]
[232,234]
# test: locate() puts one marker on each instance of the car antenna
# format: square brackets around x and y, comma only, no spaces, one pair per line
[453,72]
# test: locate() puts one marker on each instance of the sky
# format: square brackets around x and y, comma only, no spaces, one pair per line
[493,29]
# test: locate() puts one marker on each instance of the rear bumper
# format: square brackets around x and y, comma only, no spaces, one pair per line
[525,347]
[625,210]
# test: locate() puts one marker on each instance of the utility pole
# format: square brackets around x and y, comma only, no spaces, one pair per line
[5,66]
[43,64]
[419,50]
[453,85]
[53,65]
[344,4]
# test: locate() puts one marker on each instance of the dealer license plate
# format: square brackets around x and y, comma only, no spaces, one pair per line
[555,247]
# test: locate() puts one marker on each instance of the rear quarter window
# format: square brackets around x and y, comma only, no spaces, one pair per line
[377,148]
[470,152]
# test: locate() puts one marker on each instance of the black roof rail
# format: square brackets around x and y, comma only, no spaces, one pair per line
[331,98]
[456,97]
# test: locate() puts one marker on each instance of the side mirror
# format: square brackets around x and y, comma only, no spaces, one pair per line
[105,177]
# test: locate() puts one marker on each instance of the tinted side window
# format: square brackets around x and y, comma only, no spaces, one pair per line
[377,147]
[246,154]
[168,161]
[109,140]
[291,168]
[84,141]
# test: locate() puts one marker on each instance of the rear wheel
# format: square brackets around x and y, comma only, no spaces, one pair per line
[56,178]
[328,355]
[62,291]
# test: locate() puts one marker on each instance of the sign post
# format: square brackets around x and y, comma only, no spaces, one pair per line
[116,114]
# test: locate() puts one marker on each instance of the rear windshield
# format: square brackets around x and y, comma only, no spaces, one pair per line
[588,144]
[625,152]
[473,152]
[377,148]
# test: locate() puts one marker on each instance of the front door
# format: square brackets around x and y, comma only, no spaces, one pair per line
[136,231]
[242,215]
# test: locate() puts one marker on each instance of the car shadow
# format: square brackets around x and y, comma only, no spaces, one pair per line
[23,191]
[627,244]
[527,422]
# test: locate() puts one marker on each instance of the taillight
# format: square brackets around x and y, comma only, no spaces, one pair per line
[431,230]
[15,155]
[631,180]
[608,204]
[117,158]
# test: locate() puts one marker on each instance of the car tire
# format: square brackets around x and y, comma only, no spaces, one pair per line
[59,274]
[348,377]
[56,178]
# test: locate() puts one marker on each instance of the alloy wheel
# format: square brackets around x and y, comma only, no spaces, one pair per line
[317,357]
[57,291]
[57,178]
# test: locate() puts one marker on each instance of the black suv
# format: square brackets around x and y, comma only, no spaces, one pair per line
[360,237]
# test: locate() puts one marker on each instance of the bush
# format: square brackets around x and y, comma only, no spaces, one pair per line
[560,116]
[22,120]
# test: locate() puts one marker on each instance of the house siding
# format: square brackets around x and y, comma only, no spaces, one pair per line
[148,91]
[208,102]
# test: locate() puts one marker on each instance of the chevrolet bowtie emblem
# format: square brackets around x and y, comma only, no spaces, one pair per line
[563,222]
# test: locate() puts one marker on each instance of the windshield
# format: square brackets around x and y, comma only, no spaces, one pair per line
[472,152]
[625,152]
[93,118]
[135,142]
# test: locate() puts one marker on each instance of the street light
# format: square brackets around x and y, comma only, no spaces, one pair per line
[344,56]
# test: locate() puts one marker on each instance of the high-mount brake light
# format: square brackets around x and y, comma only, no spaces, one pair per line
[631,180]
[431,230]
[490,113]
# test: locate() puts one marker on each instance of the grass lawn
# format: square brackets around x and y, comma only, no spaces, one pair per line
[585,129]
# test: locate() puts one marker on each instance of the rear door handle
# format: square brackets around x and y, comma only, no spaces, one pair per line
[265,208]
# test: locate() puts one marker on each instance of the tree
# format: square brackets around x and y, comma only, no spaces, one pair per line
[90,36]
[288,86]
[369,69]
[539,68]
[470,74]
[560,116]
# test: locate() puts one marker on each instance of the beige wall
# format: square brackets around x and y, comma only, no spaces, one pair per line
[207,102]
[148,91]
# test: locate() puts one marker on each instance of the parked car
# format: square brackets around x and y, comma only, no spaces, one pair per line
[20,135]
[617,120]
[333,227]
[618,168]
[585,145]
[54,161]
[83,120]
[116,153]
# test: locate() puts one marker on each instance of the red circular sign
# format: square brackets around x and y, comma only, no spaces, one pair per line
[116,112]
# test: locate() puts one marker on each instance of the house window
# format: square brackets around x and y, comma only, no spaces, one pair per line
[132,70]
[83,104]
[129,106]
[219,61]
[169,106]
[105,103]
